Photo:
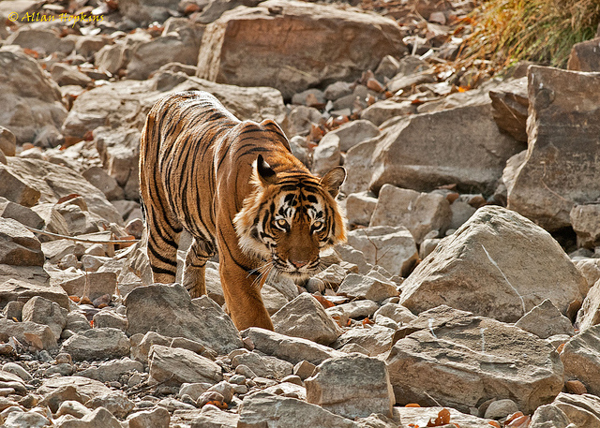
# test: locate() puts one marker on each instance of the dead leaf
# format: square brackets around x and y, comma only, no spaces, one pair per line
[323,301]
[413,405]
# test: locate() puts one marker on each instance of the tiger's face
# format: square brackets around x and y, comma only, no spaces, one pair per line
[290,219]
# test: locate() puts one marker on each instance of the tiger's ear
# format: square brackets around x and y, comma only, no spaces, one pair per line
[264,171]
[333,180]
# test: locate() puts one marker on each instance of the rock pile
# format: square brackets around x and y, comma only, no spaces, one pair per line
[452,301]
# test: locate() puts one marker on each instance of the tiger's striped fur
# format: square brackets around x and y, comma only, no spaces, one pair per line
[237,189]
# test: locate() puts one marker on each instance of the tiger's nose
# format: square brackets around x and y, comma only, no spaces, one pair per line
[298,263]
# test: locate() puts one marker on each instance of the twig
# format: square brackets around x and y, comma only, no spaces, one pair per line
[90,241]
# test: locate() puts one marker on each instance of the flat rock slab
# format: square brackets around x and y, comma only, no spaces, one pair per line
[458,359]
[24,289]
[420,416]
[560,169]
[85,386]
[201,320]
[264,366]
[292,349]
[262,410]
[273,44]
[97,344]
[35,335]
[376,339]
[472,269]
[177,366]
[19,246]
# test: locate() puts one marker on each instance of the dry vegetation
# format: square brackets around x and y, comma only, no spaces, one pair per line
[543,31]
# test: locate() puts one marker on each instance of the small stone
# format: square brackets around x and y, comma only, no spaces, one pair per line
[73,408]
[109,318]
[545,320]
[225,389]
[16,369]
[194,390]
[58,396]
[304,369]
[46,312]
[156,418]
[365,287]
[212,397]
[176,366]
[295,379]
[305,317]
[500,409]
[575,387]
[116,403]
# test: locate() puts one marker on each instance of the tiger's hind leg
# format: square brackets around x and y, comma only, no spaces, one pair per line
[195,265]
[163,239]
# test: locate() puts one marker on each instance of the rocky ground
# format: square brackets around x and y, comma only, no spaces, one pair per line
[466,295]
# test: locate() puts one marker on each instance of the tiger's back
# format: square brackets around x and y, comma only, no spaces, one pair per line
[203,170]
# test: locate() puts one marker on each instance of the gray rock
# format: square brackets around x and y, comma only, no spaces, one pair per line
[589,314]
[264,366]
[360,207]
[73,408]
[82,387]
[16,189]
[461,146]
[92,284]
[271,63]
[416,416]
[16,369]
[46,312]
[396,312]
[501,409]
[581,358]
[268,410]
[158,417]
[25,419]
[366,287]
[201,320]
[557,143]
[68,75]
[194,390]
[292,349]
[418,212]
[510,106]
[99,418]
[375,339]
[351,386]
[384,110]
[176,366]
[326,155]
[305,317]
[549,416]
[472,270]
[96,344]
[490,359]
[111,371]
[22,214]
[105,182]
[393,248]
[19,246]
[581,410]
[582,219]
[116,403]
[355,309]
[354,132]
[461,212]
[545,320]
[35,335]
[111,319]
[212,417]
[30,100]
[8,142]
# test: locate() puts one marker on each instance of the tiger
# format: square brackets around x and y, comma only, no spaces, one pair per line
[238,190]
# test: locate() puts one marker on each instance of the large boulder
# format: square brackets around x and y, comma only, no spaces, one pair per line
[200,320]
[351,386]
[29,100]
[454,358]
[472,269]
[292,45]
[461,146]
[560,168]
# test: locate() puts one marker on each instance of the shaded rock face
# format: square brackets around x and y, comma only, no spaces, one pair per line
[29,100]
[559,170]
[472,270]
[274,45]
[461,146]
[488,359]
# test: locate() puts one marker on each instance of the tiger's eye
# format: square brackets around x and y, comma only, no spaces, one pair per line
[317,224]
[281,223]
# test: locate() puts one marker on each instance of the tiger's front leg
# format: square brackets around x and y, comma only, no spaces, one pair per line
[194,279]
[242,296]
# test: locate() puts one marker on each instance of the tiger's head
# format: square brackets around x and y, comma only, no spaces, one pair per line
[290,218]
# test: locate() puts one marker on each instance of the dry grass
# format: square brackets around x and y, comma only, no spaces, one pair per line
[543,31]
